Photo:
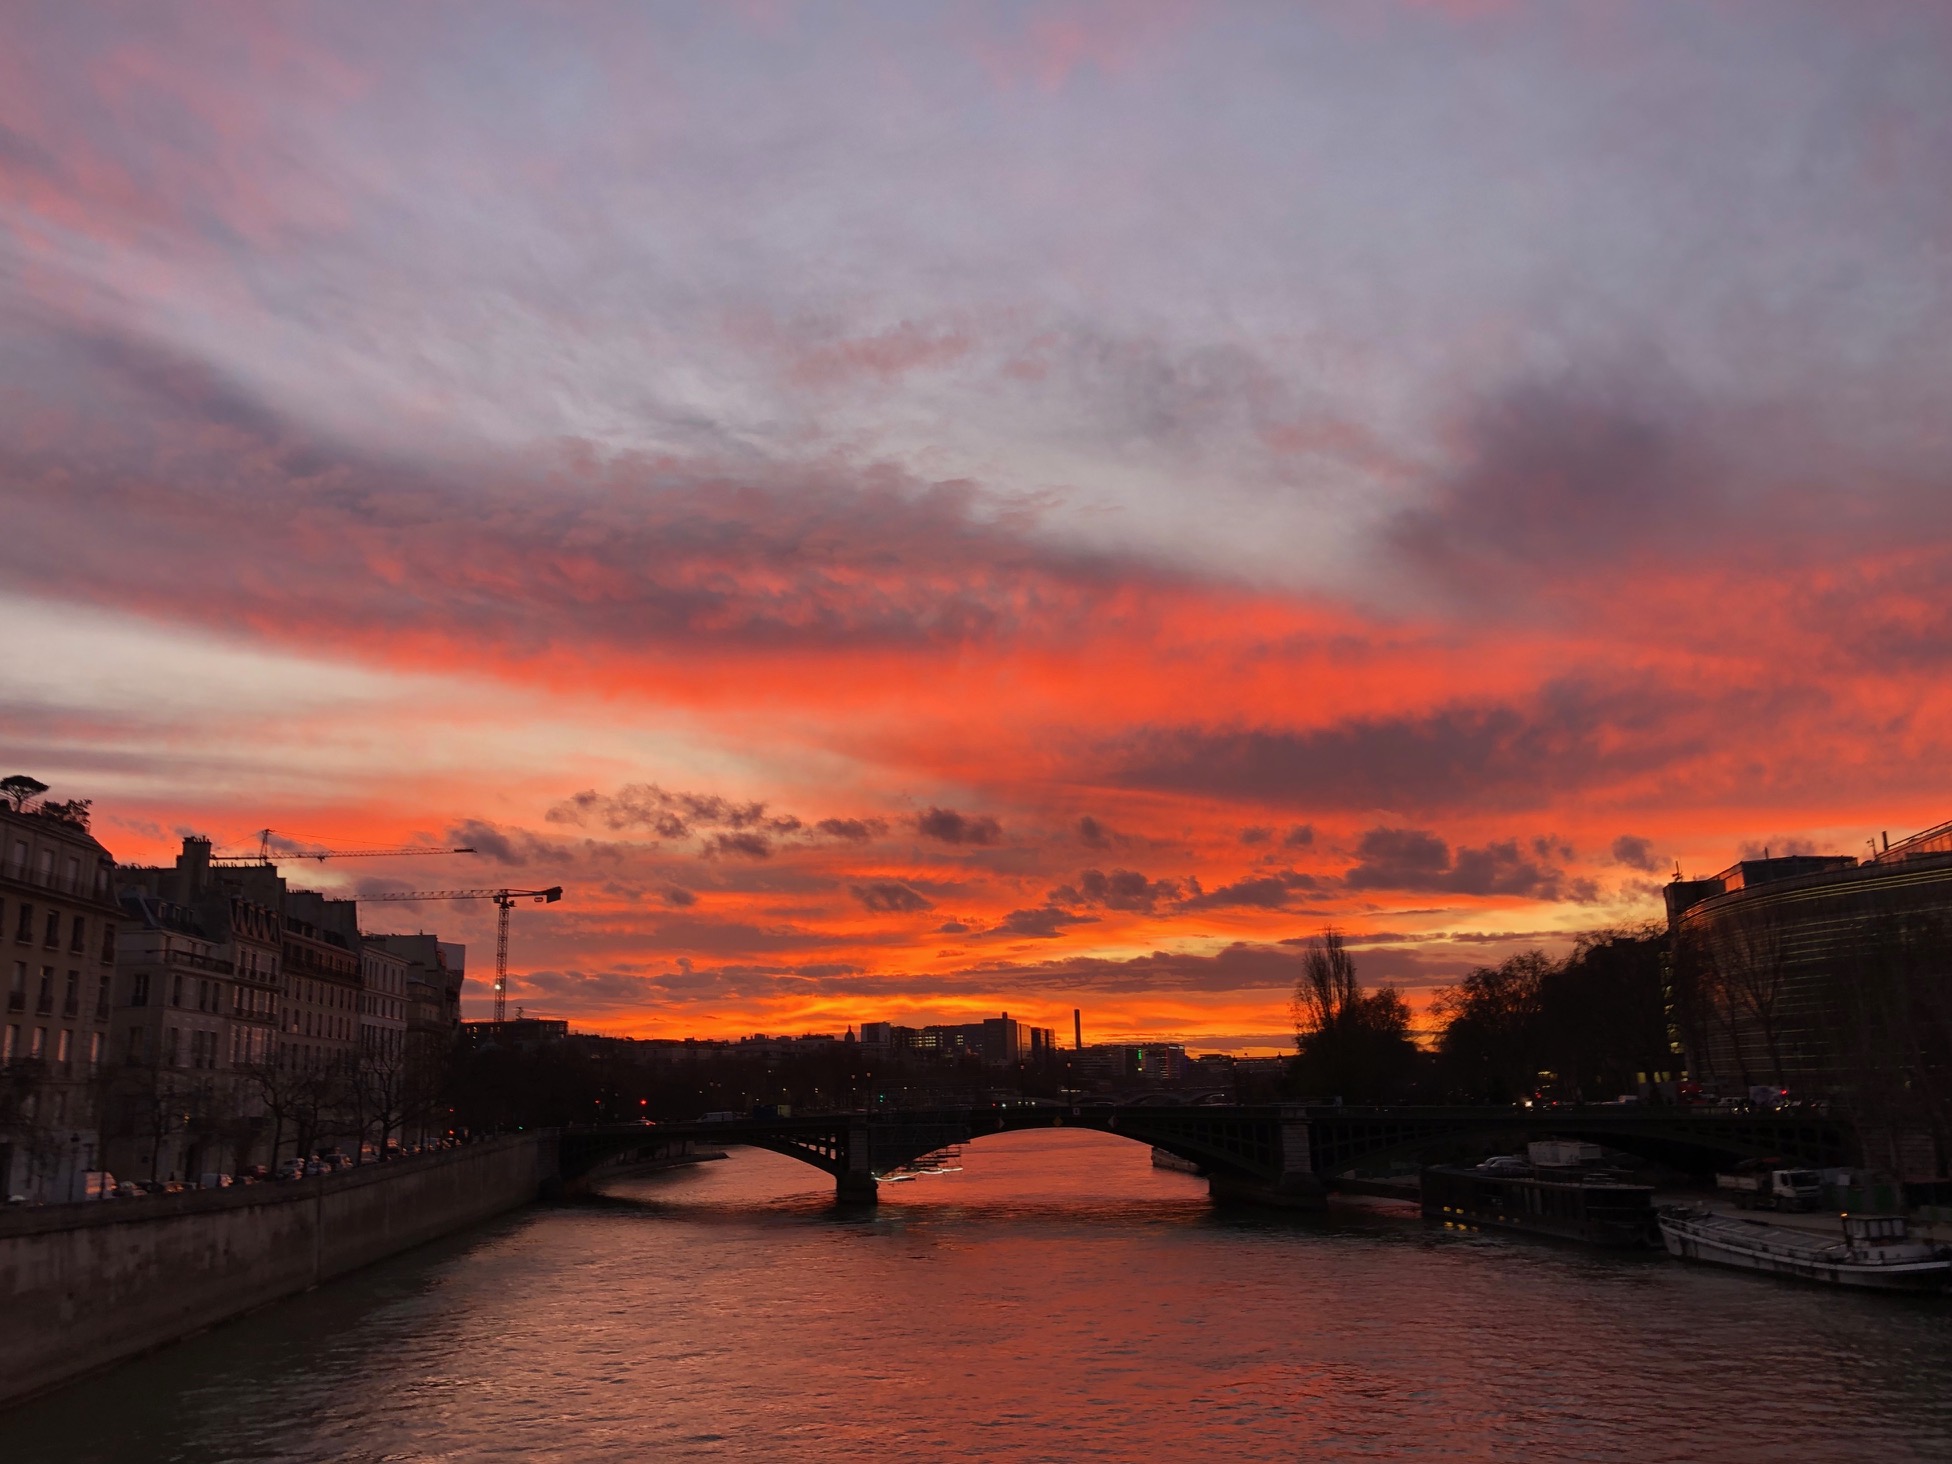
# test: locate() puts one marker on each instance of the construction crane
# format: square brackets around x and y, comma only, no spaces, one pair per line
[506,899]
[263,856]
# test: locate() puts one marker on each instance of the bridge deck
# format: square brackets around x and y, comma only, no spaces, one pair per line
[1253,1145]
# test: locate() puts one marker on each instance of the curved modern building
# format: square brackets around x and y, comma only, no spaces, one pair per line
[1830,977]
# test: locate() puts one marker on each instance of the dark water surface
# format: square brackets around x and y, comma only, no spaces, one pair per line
[1058,1299]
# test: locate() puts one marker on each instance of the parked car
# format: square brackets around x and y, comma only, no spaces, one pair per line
[130,1189]
[293,1168]
[213,1181]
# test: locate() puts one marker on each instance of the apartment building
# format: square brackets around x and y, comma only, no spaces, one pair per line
[57,948]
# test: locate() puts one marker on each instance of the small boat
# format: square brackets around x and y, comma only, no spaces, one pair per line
[1162,1160]
[1875,1252]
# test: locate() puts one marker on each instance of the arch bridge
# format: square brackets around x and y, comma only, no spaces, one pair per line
[1285,1154]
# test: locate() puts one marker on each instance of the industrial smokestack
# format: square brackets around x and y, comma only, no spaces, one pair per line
[1077,1029]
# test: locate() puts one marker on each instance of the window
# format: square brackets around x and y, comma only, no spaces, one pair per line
[102,988]
[71,995]
[9,1044]
[139,989]
[135,1045]
[17,988]
[176,990]
[24,927]
[17,867]
[64,1046]
[78,936]
[172,1053]
[52,939]
[38,1045]
[74,874]
[44,997]
[108,945]
[94,1049]
[44,867]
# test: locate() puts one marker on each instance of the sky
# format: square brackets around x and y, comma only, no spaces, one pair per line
[919,510]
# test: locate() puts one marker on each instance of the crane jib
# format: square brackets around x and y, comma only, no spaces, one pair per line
[506,900]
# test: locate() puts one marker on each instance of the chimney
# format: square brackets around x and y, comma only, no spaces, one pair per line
[192,868]
[1077,1029]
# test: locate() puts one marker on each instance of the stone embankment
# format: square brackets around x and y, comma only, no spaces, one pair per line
[86,1286]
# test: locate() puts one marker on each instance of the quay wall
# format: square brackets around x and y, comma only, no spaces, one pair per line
[85,1286]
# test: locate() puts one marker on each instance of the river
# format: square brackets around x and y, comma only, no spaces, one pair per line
[1057,1299]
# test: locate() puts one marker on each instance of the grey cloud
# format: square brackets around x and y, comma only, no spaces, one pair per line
[1094,835]
[1046,922]
[743,845]
[1418,860]
[510,847]
[1256,892]
[1571,734]
[891,897]
[1256,834]
[851,830]
[669,815]
[1636,853]
[556,545]
[1122,889]
[1560,471]
[951,827]
[679,898]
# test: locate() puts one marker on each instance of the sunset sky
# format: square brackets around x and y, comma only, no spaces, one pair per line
[909,511]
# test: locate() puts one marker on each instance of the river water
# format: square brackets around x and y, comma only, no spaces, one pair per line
[1057,1299]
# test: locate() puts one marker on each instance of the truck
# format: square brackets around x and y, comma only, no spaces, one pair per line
[1763,1184]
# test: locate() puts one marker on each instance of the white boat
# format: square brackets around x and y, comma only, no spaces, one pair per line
[1874,1252]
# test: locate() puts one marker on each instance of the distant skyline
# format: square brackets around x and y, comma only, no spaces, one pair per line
[920,510]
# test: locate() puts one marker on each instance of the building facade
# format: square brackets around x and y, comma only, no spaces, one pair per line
[1830,978]
[58,920]
[433,976]
[170,1106]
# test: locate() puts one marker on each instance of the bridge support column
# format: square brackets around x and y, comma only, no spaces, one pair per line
[855,1183]
[1295,1187]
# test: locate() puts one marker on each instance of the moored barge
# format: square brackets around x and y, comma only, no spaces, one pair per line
[1569,1204]
[1874,1252]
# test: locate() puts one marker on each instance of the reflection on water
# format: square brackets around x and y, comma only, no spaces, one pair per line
[1057,1299]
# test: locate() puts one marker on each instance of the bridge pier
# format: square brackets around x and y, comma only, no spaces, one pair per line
[852,1188]
[1295,1187]
[1290,1192]
[855,1184]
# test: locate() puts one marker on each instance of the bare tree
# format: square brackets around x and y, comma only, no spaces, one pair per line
[1749,955]
[1327,988]
[1494,1035]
